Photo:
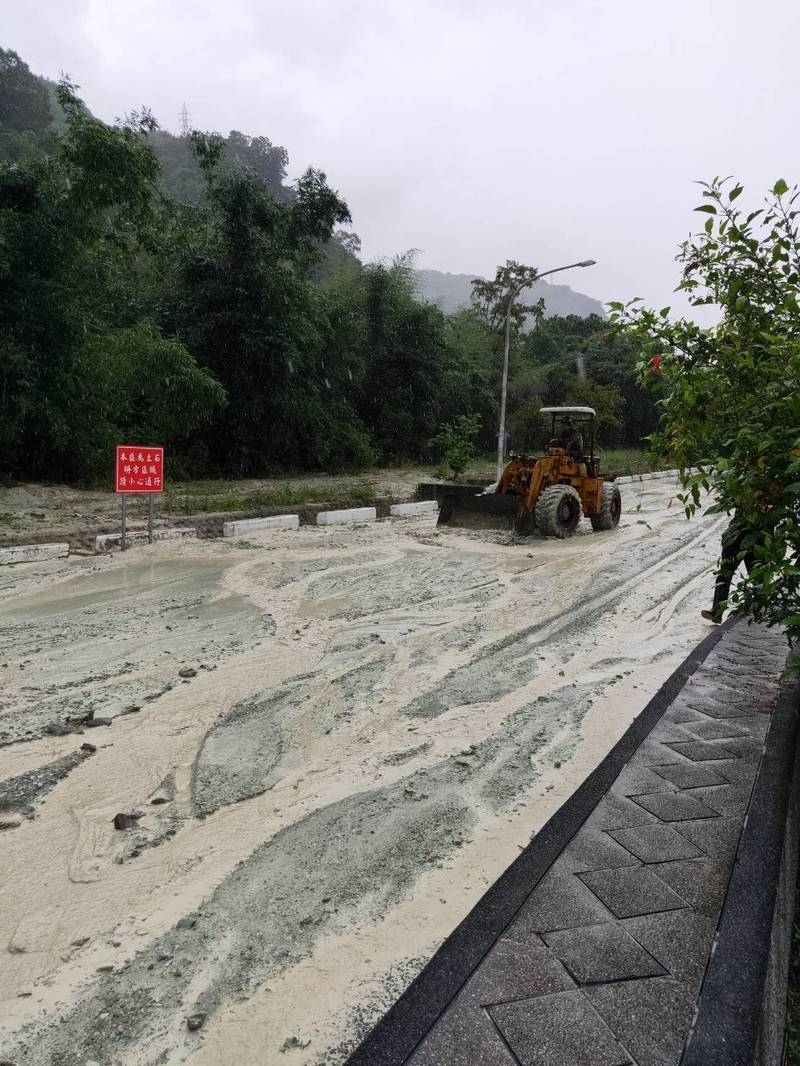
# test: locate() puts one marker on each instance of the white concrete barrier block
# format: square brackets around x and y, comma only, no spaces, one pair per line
[139,536]
[421,507]
[352,514]
[626,479]
[243,526]
[32,553]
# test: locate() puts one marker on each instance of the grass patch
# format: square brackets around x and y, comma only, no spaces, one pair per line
[205,497]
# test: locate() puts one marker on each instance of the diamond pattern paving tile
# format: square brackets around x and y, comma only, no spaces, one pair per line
[737,771]
[679,940]
[715,729]
[657,843]
[682,714]
[676,806]
[746,747]
[730,800]
[700,750]
[666,729]
[689,775]
[715,708]
[651,1017]
[701,883]
[652,752]
[632,890]
[559,1030]
[756,725]
[593,849]
[602,953]
[636,780]
[561,901]
[617,812]
[718,839]
[516,969]
[463,1036]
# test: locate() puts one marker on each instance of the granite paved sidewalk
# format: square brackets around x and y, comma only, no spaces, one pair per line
[603,963]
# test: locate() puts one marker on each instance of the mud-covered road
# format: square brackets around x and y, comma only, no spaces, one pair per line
[336,739]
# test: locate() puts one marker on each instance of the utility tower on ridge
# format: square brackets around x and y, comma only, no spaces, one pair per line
[185,121]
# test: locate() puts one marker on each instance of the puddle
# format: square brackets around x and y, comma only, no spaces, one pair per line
[167,576]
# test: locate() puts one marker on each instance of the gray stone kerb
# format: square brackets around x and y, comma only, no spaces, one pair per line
[32,553]
[593,946]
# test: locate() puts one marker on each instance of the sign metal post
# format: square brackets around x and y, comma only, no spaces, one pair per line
[140,469]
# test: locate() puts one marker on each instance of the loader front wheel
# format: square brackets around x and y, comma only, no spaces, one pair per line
[610,508]
[558,511]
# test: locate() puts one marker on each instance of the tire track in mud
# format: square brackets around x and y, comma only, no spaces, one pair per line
[505,665]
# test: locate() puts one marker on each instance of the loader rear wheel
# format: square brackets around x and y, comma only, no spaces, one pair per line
[558,511]
[610,509]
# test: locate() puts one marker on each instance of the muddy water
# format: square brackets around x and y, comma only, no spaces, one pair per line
[113,634]
[376,719]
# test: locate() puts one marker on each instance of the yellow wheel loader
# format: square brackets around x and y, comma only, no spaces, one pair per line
[549,493]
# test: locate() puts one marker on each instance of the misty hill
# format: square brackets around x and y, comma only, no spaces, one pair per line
[453,291]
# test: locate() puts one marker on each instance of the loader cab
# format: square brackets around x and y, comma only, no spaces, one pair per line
[582,419]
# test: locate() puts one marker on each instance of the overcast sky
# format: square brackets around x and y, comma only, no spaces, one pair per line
[545,131]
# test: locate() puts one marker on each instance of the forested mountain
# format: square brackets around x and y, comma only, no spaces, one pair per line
[182,177]
[453,292]
[179,290]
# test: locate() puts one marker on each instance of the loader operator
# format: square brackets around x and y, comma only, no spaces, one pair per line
[571,440]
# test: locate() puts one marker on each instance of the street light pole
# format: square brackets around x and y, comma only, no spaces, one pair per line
[501,436]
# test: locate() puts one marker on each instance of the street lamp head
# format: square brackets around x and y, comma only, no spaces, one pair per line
[588,263]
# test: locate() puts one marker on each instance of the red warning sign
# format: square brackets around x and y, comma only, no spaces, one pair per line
[140,468]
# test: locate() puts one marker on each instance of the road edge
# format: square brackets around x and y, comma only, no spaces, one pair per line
[399,1031]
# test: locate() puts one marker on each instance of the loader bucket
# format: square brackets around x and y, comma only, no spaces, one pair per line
[490,511]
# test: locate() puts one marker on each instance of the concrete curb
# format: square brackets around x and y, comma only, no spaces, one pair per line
[742,1003]
[398,1033]
[405,509]
[626,479]
[140,536]
[255,525]
[32,553]
[352,514]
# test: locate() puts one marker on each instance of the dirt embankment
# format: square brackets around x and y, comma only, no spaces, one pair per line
[336,738]
[35,514]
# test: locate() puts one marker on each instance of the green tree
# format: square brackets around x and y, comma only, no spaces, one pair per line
[242,303]
[730,393]
[573,355]
[491,298]
[395,351]
[456,444]
[25,114]
[144,387]
[73,228]
[472,374]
